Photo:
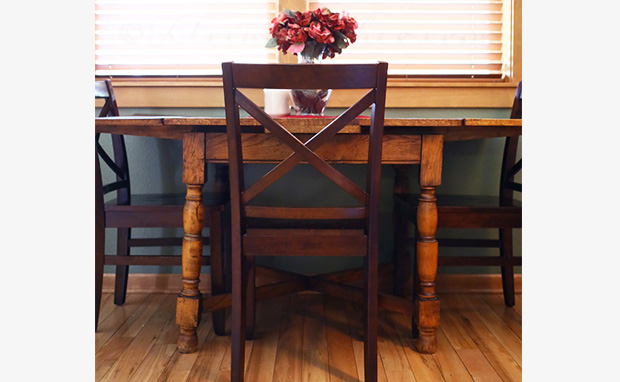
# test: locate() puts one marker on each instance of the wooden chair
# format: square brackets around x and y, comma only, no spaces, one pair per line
[129,211]
[310,232]
[463,211]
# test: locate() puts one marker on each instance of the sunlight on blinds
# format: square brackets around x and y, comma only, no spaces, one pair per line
[180,37]
[460,38]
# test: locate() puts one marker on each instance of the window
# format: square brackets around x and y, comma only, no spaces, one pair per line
[179,37]
[419,38]
[450,38]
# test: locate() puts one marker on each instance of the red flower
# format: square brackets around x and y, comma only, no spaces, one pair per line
[295,34]
[304,18]
[320,33]
[281,35]
[335,22]
[321,13]
[350,26]
[275,23]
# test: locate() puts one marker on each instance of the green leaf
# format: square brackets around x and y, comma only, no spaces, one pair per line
[341,40]
[289,13]
[272,43]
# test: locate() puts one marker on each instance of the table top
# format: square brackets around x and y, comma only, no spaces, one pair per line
[172,127]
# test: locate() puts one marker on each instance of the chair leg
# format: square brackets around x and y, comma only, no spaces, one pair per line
[239,287]
[416,286]
[99,261]
[370,316]
[217,270]
[508,276]
[122,271]
[402,264]
[99,238]
[250,299]
[227,259]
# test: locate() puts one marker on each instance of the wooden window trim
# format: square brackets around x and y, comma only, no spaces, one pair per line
[402,93]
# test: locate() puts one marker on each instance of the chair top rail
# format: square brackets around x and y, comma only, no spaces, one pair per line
[304,76]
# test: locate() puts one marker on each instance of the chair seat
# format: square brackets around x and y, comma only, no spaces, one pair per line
[157,210]
[467,211]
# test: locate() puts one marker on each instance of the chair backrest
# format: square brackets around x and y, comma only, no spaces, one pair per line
[119,165]
[510,167]
[304,76]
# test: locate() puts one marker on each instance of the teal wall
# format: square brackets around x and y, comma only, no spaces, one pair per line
[470,167]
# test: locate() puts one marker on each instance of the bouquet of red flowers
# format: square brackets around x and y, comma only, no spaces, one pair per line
[313,34]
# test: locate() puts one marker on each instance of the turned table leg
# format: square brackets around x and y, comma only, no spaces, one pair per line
[427,302]
[189,301]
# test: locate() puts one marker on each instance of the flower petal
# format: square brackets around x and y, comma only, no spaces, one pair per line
[297,47]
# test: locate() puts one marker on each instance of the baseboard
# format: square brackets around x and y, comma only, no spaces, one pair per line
[171,283]
[154,283]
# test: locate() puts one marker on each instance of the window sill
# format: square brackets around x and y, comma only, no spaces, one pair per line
[205,92]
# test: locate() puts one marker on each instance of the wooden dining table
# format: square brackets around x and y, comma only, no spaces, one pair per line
[407,141]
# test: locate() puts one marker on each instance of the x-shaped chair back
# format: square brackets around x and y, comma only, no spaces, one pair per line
[361,76]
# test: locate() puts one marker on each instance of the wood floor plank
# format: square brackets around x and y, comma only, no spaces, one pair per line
[180,365]
[496,354]
[261,364]
[209,357]
[474,360]
[448,361]
[509,315]
[342,363]
[315,365]
[120,339]
[518,304]
[156,363]
[107,306]
[289,355]
[115,320]
[395,363]
[500,330]
[424,366]
[113,352]
[138,349]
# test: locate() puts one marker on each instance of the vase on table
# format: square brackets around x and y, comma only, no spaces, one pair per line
[310,101]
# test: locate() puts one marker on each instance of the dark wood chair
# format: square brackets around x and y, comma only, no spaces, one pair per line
[459,211]
[309,230]
[128,211]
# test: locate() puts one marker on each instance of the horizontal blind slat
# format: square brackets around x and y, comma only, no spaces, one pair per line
[417,37]
[180,37]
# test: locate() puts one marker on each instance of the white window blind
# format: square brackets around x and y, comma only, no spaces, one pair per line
[459,38]
[180,37]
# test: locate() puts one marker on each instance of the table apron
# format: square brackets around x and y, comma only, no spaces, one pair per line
[343,148]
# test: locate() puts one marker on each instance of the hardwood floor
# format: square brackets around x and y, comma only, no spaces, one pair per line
[310,337]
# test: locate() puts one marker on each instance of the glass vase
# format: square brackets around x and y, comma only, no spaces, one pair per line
[309,101]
